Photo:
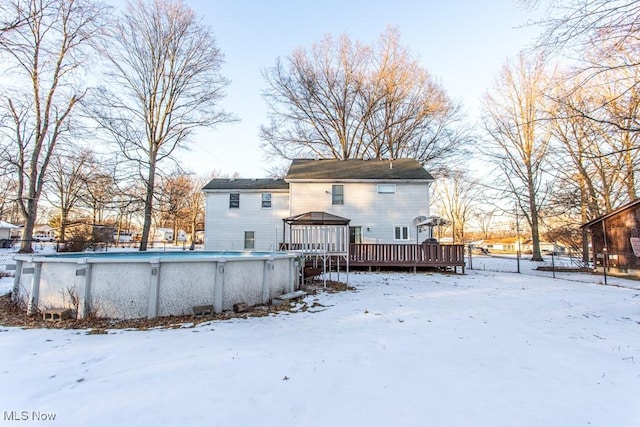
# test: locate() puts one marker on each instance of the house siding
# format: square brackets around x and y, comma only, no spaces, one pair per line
[308,188]
[225,227]
[377,214]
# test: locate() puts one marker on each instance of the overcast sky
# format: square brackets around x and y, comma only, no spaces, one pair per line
[462,43]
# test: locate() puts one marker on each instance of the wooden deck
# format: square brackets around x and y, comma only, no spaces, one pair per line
[400,255]
[407,255]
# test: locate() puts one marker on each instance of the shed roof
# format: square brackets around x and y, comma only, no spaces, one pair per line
[246,184]
[610,214]
[357,169]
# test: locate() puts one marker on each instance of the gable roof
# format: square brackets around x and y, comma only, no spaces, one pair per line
[356,169]
[610,214]
[246,184]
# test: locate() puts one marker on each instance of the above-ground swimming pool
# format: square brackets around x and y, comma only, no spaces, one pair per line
[126,285]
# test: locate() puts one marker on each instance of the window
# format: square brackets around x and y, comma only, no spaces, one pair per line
[386,189]
[337,194]
[355,235]
[234,200]
[401,233]
[249,240]
[266,200]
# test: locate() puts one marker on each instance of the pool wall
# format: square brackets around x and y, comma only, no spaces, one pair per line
[122,286]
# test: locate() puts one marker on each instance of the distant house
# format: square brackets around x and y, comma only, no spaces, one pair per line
[6,229]
[505,244]
[41,233]
[615,240]
[124,236]
[166,234]
[379,201]
[545,247]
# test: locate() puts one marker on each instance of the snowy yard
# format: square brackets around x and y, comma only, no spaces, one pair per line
[483,349]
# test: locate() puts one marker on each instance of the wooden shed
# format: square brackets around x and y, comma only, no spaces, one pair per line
[615,240]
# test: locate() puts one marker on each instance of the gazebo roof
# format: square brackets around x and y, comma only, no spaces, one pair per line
[317,218]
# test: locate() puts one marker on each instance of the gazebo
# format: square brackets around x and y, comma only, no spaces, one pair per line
[318,235]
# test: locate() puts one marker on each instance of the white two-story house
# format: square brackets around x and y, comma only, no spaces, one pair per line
[382,200]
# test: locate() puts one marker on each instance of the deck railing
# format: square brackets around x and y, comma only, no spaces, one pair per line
[428,255]
[402,255]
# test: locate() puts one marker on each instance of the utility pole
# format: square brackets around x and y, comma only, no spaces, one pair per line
[605,251]
[517,239]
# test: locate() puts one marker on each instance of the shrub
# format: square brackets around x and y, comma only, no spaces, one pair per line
[75,244]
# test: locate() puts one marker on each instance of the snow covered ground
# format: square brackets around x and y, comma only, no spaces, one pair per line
[483,349]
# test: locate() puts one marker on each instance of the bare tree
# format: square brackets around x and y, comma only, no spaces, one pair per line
[100,191]
[518,138]
[342,99]
[7,198]
[196,204]
[11,18]
[174,196]
[46,52]
[457,197]
[601,38]
[128,205]
[485,218]
[165,83]
[409,113]
[580,25]
[67,183]
[315,101]
[595,162]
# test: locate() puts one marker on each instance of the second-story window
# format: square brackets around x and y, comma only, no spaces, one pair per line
[266,200]
[386,189]
[234,200]
[337,194]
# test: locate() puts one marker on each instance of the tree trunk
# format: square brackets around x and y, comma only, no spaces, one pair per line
[175,231]
[29,225]
[630,176]
[64,214]
[535,231]
[194,220]
[584,220]
[148,205]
